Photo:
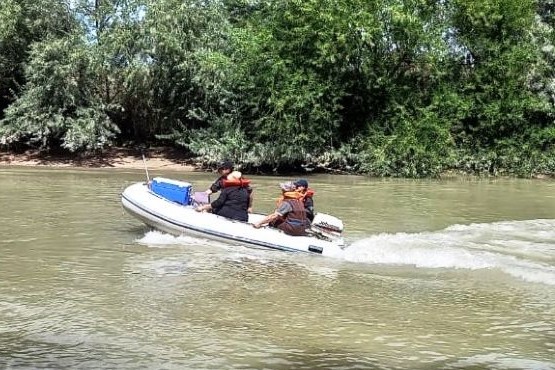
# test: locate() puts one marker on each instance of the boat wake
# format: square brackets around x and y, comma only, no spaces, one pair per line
[523,249]
[159,239]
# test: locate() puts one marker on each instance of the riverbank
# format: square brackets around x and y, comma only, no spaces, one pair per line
[167,158]
[157,158]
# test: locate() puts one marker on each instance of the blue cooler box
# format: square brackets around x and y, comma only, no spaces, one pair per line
[176,191]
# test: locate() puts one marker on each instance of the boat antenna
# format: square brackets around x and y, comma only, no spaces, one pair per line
[146,169]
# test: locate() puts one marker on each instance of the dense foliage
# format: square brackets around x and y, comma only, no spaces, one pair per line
[385,87]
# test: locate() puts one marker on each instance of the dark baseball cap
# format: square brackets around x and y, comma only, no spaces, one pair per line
[225,165]
[301,182]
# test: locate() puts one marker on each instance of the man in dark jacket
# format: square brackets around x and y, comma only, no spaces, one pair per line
[225,168]
[233,201]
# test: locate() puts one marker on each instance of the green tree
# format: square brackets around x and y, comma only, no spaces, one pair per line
[291,65]
[499,62]
[22,23]
[58,106]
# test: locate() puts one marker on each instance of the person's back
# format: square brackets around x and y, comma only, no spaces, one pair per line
[232,203]
[294,220]
[290,214]
[225,169]
[234,198]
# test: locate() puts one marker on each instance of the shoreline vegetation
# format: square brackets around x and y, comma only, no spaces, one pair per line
[408,89]
[163,157]
[169,158]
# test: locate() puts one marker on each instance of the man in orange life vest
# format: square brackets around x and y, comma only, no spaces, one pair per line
[224,169]
[301,186]
[290,214]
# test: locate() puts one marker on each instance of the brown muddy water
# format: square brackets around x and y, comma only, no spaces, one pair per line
[451,274]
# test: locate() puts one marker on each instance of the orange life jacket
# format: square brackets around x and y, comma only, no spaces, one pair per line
[289,195]
[242,183]
[309,193]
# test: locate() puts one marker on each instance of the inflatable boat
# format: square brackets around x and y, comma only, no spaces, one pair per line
[169,205]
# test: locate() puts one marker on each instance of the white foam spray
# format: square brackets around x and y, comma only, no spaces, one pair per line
[524,249]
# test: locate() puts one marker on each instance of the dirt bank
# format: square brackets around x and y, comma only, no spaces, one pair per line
[157,158]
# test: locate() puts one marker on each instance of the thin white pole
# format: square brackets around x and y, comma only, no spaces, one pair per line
[146,169]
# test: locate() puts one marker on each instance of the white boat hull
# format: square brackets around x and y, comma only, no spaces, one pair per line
[178,219]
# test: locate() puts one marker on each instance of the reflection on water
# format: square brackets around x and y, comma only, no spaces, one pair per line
[439,274]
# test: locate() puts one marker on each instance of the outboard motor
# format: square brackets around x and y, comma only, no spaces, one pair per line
[326,227]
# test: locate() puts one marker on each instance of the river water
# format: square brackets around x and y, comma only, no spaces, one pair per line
[451,274]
